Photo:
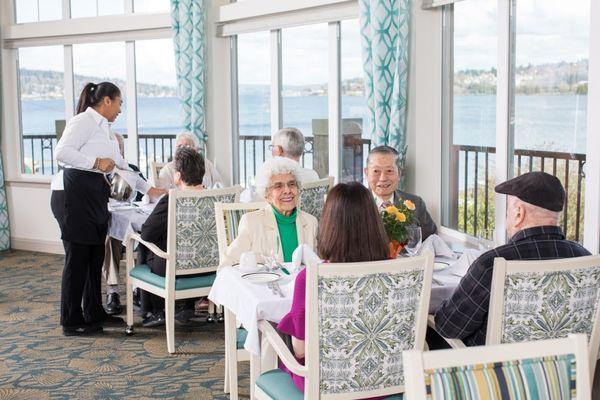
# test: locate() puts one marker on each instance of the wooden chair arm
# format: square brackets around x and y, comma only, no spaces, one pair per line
[284,354]
[129,244]
[454,343]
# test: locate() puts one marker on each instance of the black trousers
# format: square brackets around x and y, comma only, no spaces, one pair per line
[81,281]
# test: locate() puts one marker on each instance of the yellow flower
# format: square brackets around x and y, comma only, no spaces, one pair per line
[401,217]
[409,204]
[391,210]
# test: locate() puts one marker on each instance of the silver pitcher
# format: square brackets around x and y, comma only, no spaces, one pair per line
[119,188]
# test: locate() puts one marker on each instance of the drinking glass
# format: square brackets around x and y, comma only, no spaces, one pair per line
[413,245]
[486,239]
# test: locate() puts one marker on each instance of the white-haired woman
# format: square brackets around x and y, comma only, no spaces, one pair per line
[280,225]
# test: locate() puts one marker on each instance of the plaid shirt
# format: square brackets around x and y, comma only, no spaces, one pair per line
[464,315]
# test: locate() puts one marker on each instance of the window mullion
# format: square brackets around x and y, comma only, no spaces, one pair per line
[276,103]
[131,90]
[235,110]
[69,82]
[333,100]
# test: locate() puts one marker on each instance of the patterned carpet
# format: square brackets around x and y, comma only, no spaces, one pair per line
[38,362]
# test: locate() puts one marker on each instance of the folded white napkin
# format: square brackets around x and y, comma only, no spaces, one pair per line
[304,255]
[437,246]
[461,266]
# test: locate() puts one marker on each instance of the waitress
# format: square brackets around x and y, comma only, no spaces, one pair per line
[87,150]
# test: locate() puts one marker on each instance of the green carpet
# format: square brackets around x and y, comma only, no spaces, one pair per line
[38,362]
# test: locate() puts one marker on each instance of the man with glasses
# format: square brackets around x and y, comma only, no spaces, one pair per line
[166,176]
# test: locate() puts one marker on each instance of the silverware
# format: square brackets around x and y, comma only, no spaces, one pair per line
[277,289]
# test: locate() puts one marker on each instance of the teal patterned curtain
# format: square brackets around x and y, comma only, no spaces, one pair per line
[4,221]
[385,29]
[189,43]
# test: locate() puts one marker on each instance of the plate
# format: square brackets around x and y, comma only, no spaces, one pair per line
[440,265]
[261,277]
[254,268]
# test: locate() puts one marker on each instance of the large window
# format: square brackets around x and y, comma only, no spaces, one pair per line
[99,62]
[254,102]
[95,8]
[38,10]
[42,106]
[547,70]
[550,97]
[151,6]
[355,142]
[470,137]
[158,106]
[304,58]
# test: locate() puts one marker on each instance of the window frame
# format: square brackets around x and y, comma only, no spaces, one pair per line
[125,28]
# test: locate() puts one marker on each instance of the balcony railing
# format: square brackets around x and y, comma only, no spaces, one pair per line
[472,186]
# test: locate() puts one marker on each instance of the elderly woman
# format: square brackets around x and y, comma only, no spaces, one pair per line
[279,227]
[351,231]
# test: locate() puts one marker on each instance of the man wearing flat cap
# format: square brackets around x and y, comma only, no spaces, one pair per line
[534,203]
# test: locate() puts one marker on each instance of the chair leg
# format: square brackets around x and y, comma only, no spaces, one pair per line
[211,312]
[129,300]
[231,355]
[226,380]
[170,324]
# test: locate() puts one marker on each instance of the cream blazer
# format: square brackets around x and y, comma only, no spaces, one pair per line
[258,233]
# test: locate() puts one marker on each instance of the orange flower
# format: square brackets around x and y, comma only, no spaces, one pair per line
[401,217]
[391,210]
[409,204]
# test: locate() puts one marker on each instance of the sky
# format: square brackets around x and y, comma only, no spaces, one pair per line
[547,31]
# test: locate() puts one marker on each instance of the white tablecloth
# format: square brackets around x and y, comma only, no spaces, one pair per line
[126,221]
[252,302]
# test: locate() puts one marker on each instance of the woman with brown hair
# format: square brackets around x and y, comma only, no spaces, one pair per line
[350,230]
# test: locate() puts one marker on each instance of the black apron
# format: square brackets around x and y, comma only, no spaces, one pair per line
[86,207]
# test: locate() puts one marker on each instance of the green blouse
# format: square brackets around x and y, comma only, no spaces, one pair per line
[287,233]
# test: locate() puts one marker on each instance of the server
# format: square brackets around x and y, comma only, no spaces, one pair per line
[87,151]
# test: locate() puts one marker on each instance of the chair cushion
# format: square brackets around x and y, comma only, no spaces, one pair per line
[278,385]
[551,377]
[240,338]
[143,273]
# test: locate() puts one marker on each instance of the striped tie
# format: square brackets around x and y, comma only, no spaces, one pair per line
[385,205]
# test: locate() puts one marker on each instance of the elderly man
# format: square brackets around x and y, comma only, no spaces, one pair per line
[289,143]
[383,175]
[534,203]
[166,176]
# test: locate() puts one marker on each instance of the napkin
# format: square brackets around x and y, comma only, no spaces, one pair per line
[461,266]
[437,246]
[304,255]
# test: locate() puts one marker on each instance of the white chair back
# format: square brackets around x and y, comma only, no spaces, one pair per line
[359,319]
[155,168]
[535,300]
[312,196]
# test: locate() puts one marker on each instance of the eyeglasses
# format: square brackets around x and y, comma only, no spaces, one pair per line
[280,185]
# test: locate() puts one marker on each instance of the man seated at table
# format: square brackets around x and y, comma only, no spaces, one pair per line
[534,203]
[166,176]
[383,174]
[189,170]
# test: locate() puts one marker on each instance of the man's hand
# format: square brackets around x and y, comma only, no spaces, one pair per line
[104,164]
[154,193]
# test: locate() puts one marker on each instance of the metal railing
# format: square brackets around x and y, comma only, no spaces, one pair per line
[474,199]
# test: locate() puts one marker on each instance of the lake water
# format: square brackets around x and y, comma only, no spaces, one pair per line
[555,123]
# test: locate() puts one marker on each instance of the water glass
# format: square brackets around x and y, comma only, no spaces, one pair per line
[413,245]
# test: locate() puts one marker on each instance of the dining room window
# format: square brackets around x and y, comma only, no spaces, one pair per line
[470,118]
[96,8]
[42,106]
[151,6]
[37,10]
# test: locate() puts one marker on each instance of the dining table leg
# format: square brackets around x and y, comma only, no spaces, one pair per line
[255,367]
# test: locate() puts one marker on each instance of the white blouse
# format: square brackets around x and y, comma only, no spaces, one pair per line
[86,137]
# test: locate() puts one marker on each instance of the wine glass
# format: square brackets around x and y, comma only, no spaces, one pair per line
[413,245]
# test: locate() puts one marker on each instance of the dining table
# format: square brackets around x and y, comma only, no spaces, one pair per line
[127,218]
[247,303]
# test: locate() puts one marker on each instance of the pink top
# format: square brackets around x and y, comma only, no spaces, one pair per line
[293,324]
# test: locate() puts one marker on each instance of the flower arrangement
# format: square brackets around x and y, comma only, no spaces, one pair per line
[395,221]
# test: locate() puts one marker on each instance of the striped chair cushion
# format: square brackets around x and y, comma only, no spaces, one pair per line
[550,377]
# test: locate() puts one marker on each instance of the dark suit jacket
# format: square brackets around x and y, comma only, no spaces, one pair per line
[154,231]
[428,227]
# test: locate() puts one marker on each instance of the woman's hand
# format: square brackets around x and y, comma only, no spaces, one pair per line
[155,192]
[104,164]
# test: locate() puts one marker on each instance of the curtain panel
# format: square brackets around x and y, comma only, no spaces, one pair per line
[385,42]
[190,50]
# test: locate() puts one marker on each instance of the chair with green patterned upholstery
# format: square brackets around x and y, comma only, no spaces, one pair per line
[312,196]
[227,216]
[543,299]
[359,319]
[545,369]
[192,249]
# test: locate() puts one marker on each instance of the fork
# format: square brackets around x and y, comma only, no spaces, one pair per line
[276,289]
